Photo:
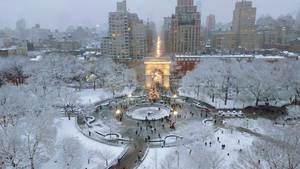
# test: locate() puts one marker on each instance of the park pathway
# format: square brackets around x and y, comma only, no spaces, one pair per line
[130,159]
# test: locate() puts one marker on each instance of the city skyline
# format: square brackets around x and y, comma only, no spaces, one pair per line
[61,14]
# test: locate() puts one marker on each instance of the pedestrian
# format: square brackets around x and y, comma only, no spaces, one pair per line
[218,139]
[258,161]
[210,144]
[238,141]
[136,132]
[205,144]
[190,151]
[227,154]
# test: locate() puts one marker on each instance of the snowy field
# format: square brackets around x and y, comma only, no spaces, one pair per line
[65,129]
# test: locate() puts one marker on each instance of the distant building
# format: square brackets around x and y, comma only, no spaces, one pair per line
[223,40]
[150,36]
[211,22]
[243,25]
[68,45]
[210,25]
[242,36]
[295,46]
[184,35]
[127,35]
[166,34]
[21,24]
[13,51]
[137,37]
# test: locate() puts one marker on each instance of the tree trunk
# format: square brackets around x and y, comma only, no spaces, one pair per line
[226,95]
[32,164]
[256,102]
[198,91]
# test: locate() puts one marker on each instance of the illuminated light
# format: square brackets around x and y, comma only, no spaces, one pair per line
[175,113]
[129,29]
[118,112]
[158,47]
[175,96]
[97,26]
[129,96]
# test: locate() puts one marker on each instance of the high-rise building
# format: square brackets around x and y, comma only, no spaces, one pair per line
[166,34]
[211,22]
[185,29]
[126,36]
[150,34]
[21,24]
[210,25]
[243,25]
[298,21]
[137,37]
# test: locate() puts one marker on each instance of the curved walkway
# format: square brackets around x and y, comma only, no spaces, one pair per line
[133,157]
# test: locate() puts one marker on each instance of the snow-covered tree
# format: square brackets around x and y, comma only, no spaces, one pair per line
[114,83]
[282,152]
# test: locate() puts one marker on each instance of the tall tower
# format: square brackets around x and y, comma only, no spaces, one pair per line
[298,21]
[243,24]
[185,29]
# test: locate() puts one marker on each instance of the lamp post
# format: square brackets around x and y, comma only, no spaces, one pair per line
[175,114]
[118,113]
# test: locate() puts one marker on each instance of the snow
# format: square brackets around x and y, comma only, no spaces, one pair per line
[155,156]
[150,113]
[158,156]
[268,57]
[66,128]
[230,113]
[37,58]
[91,96]
[230,56]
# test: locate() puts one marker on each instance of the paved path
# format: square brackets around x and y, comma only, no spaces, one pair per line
[130,160]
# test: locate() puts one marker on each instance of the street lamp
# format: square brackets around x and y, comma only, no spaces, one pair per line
[175,96]
[175,113]
[118,113]
[129,96]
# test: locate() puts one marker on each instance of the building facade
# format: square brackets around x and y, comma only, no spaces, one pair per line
[184,34]
[243,25]
[126,36]
[242,37]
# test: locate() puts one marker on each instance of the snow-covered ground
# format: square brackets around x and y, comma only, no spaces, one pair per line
[150,113]
[67,128]
[91,96]
[191,155]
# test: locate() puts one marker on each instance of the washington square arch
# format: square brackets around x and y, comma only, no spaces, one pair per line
[157,70]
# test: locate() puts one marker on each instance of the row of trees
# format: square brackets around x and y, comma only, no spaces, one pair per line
[281,153]
[248,82]
[28,109]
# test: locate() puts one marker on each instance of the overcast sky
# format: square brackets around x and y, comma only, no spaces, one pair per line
[61,13]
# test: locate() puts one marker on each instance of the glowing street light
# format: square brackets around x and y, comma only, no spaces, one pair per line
[129,96]
[175,113]
[175,96]
[118,112]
